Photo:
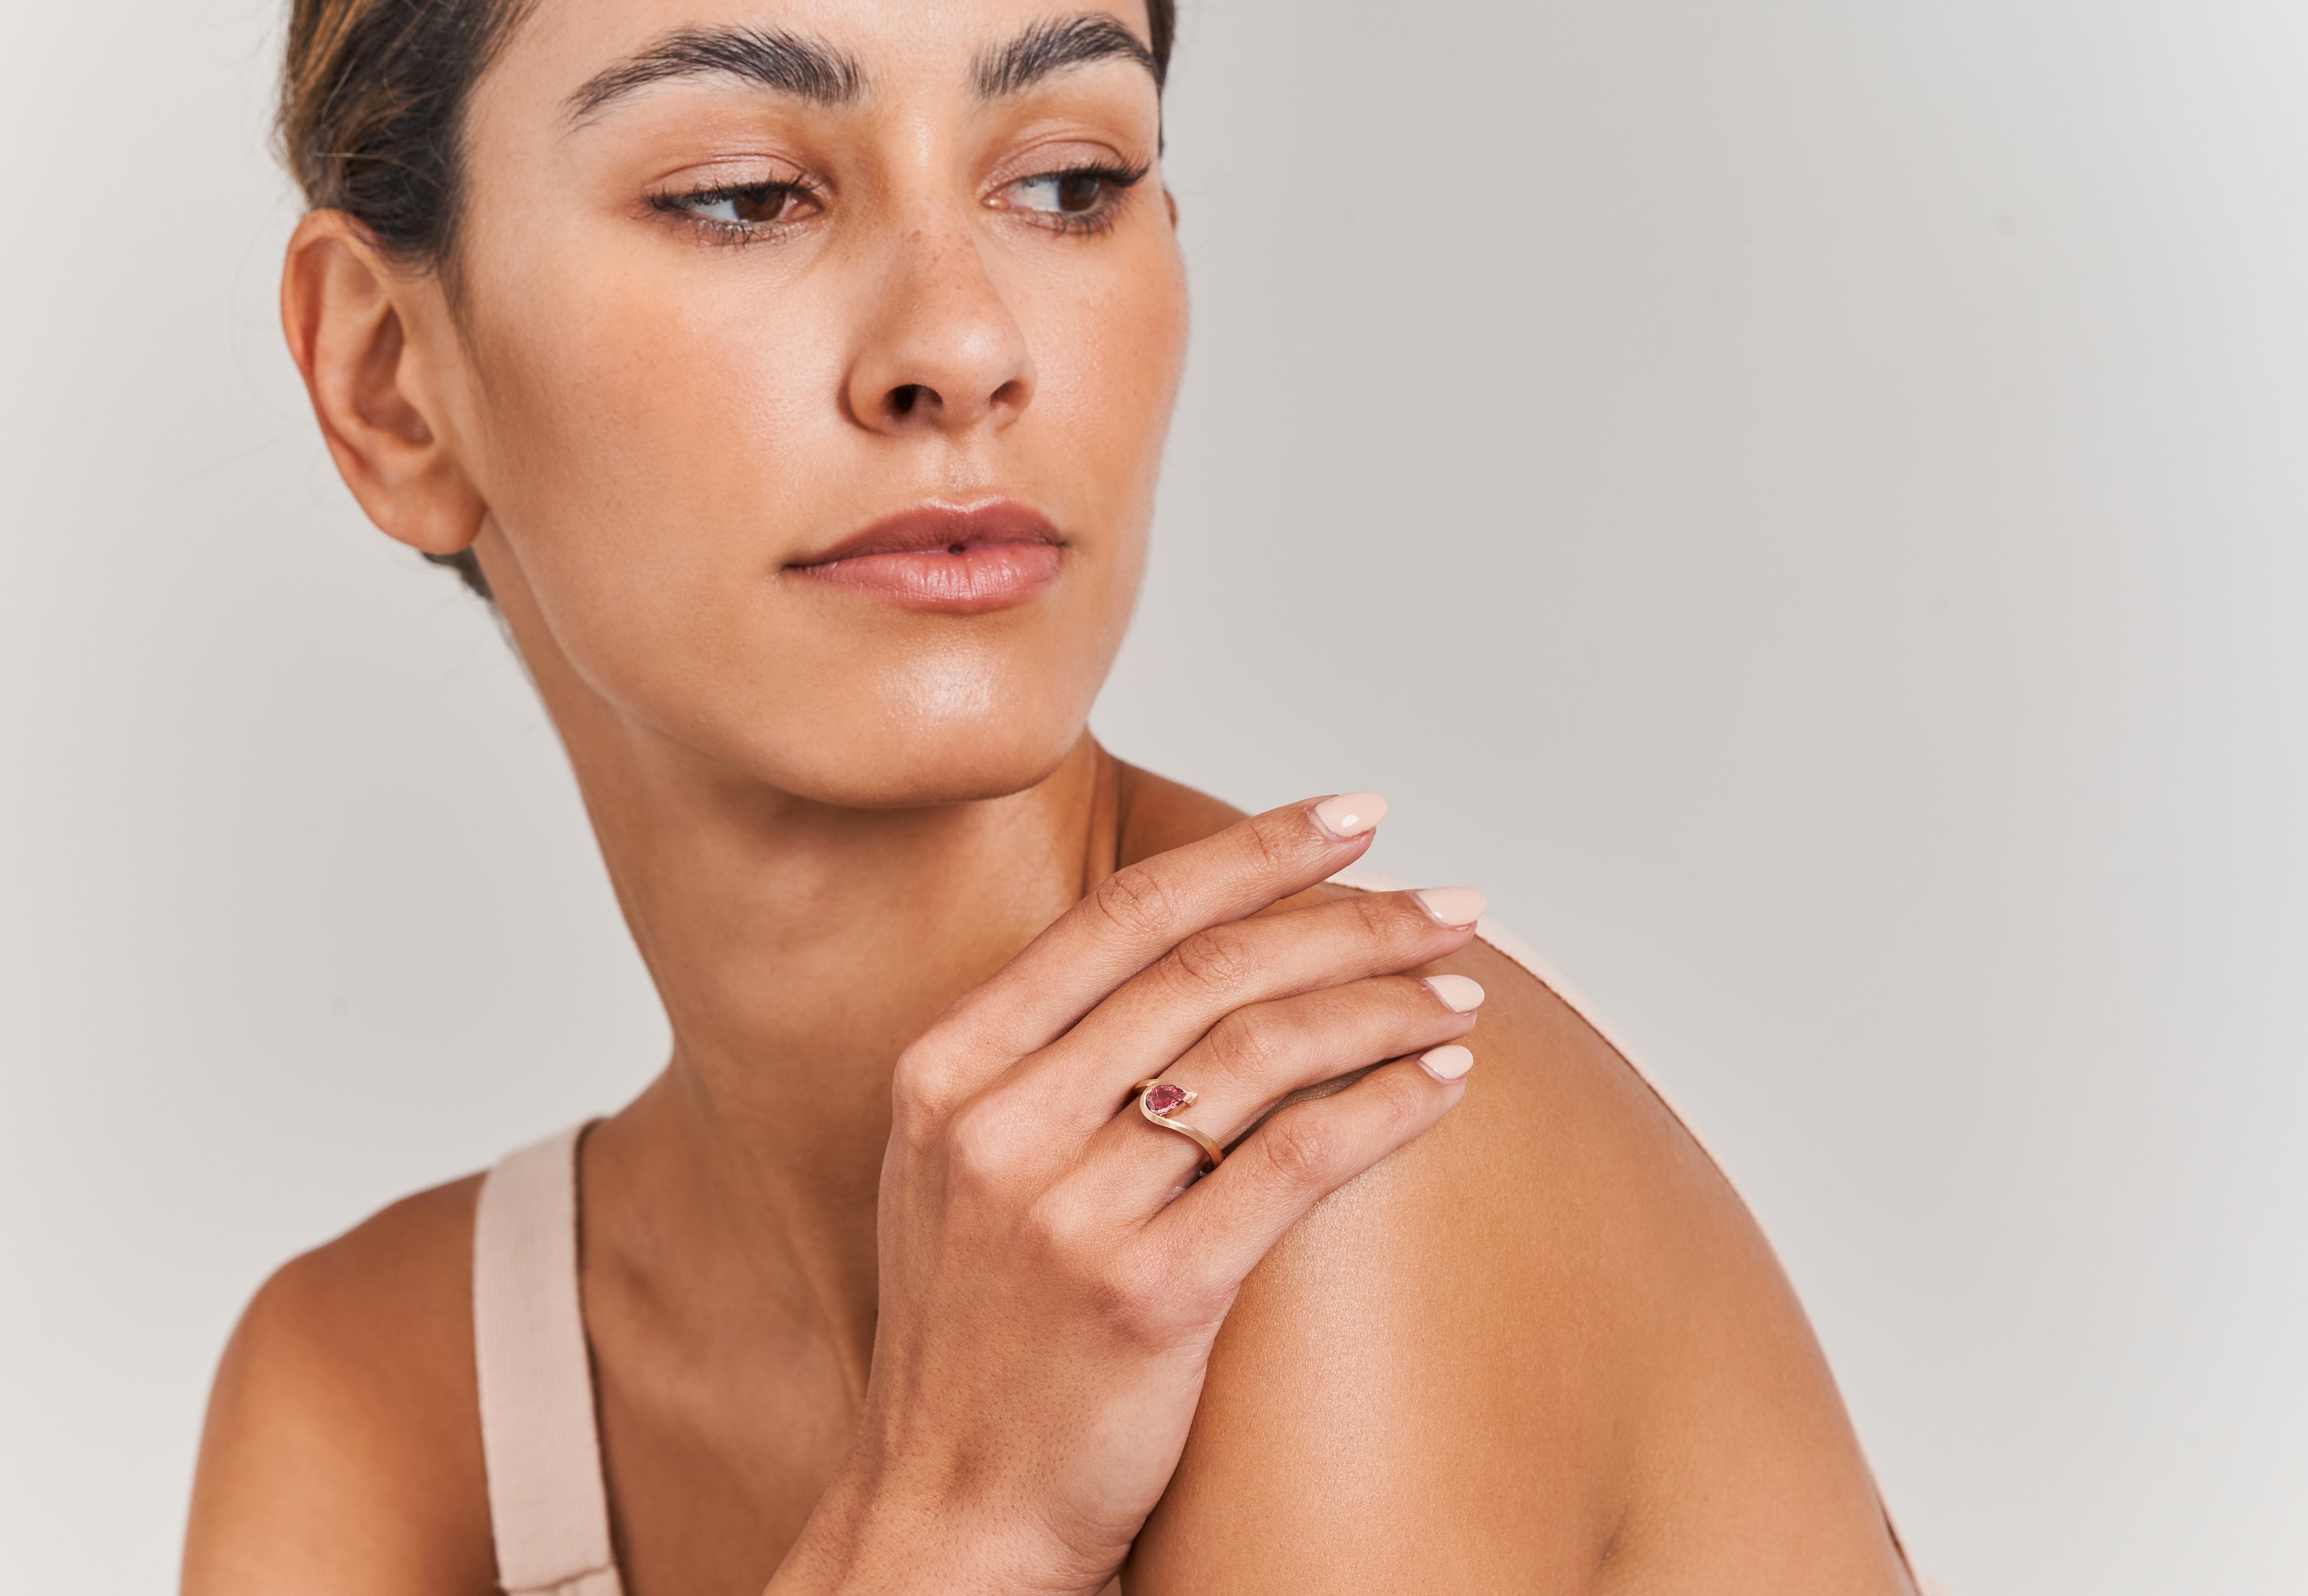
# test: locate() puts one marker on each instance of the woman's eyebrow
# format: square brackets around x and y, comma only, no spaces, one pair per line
[1054,45]
[768,58]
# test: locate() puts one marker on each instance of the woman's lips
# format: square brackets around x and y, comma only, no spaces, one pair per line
[986,576]
[958,559]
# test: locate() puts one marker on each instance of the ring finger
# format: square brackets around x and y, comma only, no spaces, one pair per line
[1260,1054]
[1162,1013]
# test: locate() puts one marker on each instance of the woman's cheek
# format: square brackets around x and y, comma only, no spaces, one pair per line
[667,447]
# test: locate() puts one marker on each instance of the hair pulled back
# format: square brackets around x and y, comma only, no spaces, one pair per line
[372,98]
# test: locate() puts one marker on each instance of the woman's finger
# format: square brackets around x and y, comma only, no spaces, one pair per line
[1257,1056]
[1144,910]
[1160,1014]
[1230,1219]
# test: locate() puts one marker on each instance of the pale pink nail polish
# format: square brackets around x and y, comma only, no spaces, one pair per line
[1447,1063]
[1458,991]
[1454,905]
[1351,814]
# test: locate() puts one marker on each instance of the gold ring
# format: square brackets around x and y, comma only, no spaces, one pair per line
[1158,1100]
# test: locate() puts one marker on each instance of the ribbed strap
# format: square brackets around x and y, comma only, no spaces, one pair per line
[547,1505]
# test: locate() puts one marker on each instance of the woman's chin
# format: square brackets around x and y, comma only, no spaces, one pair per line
[929,727]
[960,764]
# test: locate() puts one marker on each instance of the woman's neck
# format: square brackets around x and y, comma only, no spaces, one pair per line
[798,948]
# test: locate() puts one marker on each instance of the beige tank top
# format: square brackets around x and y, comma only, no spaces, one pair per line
[548,1506]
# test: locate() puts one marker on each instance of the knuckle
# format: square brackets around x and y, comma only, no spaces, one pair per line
[922,1087]
[1300,1148]
[1248,1045]
[1276,841]
[912,1126]
[1402,1098]
[1060,1230]
[1136,902]
[978,1146]
[1132,1294]
[1218,960]
[1384,935]
[1379,918]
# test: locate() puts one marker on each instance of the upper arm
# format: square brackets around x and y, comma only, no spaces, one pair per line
[1543,1348]
[343,1450]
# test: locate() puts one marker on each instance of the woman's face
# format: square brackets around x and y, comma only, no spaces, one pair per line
[815,360]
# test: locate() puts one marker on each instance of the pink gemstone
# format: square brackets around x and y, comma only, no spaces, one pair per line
[1162,1099]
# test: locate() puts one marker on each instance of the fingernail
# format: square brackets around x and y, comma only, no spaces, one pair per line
[1351,814]
[1447,1063]
[1454,905]
[1458,991]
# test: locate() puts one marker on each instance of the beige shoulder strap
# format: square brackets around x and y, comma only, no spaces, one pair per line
[547,1505]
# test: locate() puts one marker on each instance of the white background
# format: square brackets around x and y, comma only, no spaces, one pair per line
[1803,502]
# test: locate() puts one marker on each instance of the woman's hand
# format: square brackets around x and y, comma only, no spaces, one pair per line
[1050,1282]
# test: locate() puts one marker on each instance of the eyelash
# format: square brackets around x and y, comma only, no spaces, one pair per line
[1119,181]
[683,205]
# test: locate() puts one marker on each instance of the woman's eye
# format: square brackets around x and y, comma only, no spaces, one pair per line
[1062,193]
[755,205]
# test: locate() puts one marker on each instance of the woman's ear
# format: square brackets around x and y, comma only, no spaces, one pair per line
[357,330]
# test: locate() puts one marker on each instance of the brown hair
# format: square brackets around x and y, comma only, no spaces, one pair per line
[373,97]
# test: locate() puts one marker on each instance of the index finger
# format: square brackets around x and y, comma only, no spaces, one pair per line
[1143,910]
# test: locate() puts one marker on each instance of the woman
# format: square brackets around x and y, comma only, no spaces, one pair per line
[792,374]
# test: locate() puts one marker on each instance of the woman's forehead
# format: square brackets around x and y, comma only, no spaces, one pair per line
[584,54]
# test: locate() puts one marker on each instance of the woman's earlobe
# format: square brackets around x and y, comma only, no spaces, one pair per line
[348,316]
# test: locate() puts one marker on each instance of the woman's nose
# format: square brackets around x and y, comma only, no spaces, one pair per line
[943,350]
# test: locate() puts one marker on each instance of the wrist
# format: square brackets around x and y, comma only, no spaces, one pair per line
[871,1535]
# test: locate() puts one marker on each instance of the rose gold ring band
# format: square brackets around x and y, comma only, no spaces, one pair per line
[1172,1098]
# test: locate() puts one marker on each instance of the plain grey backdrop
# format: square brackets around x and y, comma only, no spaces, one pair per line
[1803,502]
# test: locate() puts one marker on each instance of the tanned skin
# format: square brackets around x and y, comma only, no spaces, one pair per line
[1541,1347]
[1544,1348]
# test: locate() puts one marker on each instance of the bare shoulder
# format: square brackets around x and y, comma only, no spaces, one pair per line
[1544,1348]
[342,1451]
